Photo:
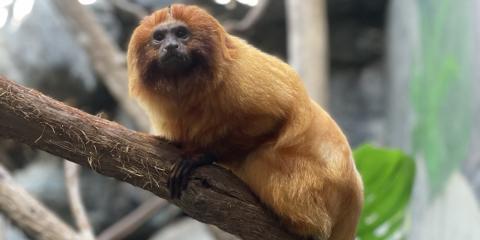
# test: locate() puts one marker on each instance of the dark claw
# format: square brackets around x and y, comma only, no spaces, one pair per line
[178,179]
[179,176]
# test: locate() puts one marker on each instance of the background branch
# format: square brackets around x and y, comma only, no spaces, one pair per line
[221,235]
[133,220]
[312,65]
[213,196]
[252,16]
[72,183]
[132,8]
[109,62]
[29,214]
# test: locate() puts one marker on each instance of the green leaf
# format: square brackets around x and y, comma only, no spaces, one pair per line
[388,179]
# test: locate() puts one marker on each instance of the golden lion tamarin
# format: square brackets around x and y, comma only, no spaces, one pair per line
[225,101]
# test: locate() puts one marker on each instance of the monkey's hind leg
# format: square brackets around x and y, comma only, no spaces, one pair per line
[292,193]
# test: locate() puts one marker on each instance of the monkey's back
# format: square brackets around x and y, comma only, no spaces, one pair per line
[306,174]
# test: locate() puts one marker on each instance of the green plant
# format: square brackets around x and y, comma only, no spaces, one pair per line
[388,178]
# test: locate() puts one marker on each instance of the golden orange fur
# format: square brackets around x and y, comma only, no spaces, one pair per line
[252,111]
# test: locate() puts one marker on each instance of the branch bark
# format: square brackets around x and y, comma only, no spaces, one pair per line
[213,195]
[29,214]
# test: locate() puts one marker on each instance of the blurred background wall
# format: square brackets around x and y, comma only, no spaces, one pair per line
[434,111]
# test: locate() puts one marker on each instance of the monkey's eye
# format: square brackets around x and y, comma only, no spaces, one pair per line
[158,35]
[182,33]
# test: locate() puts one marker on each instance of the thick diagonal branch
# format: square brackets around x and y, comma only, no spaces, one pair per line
[213,195]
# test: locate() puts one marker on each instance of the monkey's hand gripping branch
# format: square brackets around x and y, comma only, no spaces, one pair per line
[213,195]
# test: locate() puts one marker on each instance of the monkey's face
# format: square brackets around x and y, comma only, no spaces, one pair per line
[182,47]
[169,40]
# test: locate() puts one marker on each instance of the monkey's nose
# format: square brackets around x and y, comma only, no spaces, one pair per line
[171,47]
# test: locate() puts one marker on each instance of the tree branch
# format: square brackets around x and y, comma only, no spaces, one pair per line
[130,7]
[307,29]
[131,222]
[72,183]
[29,214]
[252,17]
[109,62]
[213,195]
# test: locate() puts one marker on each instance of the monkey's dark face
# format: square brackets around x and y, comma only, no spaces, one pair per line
[180,48]
[170,41]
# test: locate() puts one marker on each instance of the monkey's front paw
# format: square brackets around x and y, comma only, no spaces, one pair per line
[178,179]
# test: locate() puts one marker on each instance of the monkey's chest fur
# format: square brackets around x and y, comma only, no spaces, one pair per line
[210,125]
